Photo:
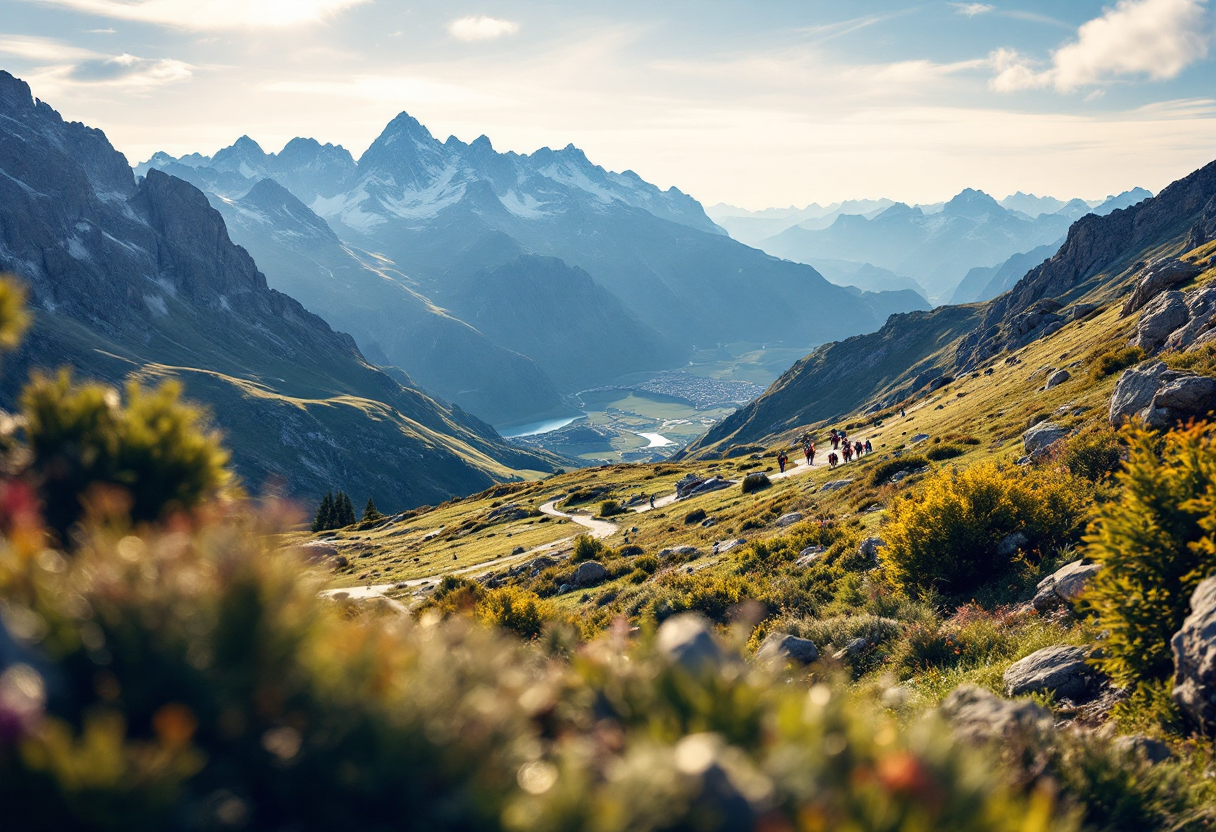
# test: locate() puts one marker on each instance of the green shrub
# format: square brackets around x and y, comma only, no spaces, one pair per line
[517,610]
[755,482]
[1154,544]
[1094,454]
[154,450]
[610,508]
[1115,361]
[945,536]
[944,452]
[886,469]
[694,516]
[587,547]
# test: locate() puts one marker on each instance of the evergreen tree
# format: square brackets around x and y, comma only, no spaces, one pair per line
[371,514]
[324,518]
[344,511]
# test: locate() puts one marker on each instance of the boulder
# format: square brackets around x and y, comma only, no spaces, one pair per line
[1194,649]
[1052,328]
[1057,378]
[1187,397]
[688,641]
[1059,670]
[940,382]
[1041,437]
[833,485]
[853,648]
[1080,310]
[507,514]
[590,573]
[1201,306]
[1135,390]
[869,549]
[1064,585]
[786,648]
[809,555]
[1147,748]
[757,481]
[688,551]
[726,545]
[1166,313]
[716,783]
[920,437]
[1011,543]
[979,716]
[1158,277]
[789,519]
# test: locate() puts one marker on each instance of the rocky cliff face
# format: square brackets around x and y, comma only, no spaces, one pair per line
[132,276]
[1106,249]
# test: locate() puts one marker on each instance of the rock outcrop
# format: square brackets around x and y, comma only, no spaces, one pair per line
[785,648]
[1060,670]
[1164,314]
[979,716]
[687,640]
[1135,389]
[1177,401]
[1038,440]
[1194,649]
[1064,585]
[1158,277]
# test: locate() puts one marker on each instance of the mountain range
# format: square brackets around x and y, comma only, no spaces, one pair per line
[555,265]
[137,279]
[1101,257]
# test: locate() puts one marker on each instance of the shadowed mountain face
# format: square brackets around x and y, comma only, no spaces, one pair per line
[646,275]
[140,279]
[1098,259]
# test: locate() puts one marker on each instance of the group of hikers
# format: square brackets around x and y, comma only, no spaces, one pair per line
[842,446]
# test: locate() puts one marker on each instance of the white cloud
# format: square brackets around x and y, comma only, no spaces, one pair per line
[481,28]
[43,50]
[1156,39]
[130,72]
[972,9]
[212,14]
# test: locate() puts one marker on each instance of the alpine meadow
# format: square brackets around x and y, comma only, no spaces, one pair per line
[821,437]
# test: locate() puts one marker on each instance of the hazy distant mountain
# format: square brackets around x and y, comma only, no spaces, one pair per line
[752,227]
[936,250]
[1032,205]
[866,276]
[449,214]
[140,279]
[1124,200]
[985,283]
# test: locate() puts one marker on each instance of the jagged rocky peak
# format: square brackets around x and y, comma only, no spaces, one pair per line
[310,152]
[244,156]
[281,206]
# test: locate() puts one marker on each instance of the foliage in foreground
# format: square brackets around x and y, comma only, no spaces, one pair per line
[1155,543]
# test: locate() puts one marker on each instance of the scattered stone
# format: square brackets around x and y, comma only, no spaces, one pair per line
[1010,544]
[542,562]
[1166,313]
[590,573]
[869,549]
[979,716]
[708,522]
[1188,397]
[688,551]
[564,588]
[853,648]
[518,550]
[687,640]
[834,485]
[989,371]
[1052,328]
[1139,745]
[920,437]
[1158,277]
[1064,585]
[900,476]
[809,555]
[1079,311]
[1060,670]
[786,648]
[1195,659]
[1057,378]
[1135,390]
[940,382]
[1039,439]
[507,514]
[692,485]
[727,545]
[789,519]
[717,788]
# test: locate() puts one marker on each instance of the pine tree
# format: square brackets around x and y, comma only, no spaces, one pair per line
[324,518]
[371,514]
[344,511]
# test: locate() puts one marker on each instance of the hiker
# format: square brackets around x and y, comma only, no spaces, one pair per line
[835,439]
[848,452]
[901,413]
[810,454]
[781,460]
[858,448]
[806,452]
[869,448]
[652,501]
[832,459]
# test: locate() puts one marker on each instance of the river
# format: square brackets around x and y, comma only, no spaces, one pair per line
[533,428]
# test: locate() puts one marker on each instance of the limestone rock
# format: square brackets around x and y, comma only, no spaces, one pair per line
[1187,397]
[1135,390]
[1166,313]
[1080,310]
[1195,659]
[1201,306]
[1011,543]
[833,485]
[789,519]
[1064,585]
[1158,277]
[869,549]
[978,716]
[1138,745]
[1060,670]
[1041,437]
[688,641]
[785,648]
[590,573]
[1057,378]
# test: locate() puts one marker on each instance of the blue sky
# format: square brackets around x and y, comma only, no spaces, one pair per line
[756,103]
